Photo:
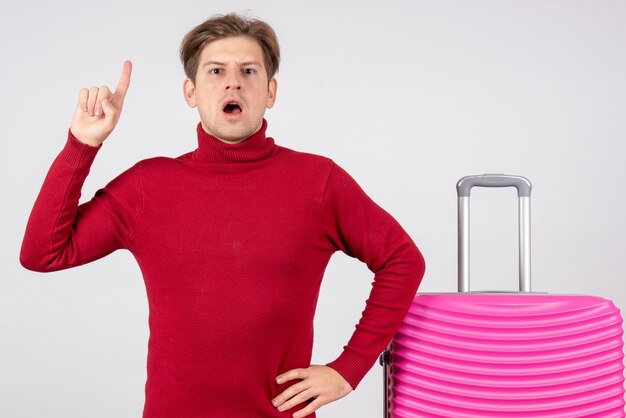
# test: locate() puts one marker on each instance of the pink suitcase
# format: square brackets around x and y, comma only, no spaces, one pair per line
[496,354]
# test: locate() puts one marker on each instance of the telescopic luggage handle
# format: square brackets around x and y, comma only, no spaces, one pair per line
[464,187]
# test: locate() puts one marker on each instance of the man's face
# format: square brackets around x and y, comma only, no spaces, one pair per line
[231,89]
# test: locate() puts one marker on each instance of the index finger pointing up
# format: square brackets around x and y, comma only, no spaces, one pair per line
[122,85]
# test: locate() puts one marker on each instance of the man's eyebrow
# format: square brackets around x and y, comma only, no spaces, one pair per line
[248,63]
[242,64]
[221,64]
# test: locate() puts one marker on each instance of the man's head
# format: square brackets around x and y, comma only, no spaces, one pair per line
[230,62]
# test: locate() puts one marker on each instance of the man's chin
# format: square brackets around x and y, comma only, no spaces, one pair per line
[233,134]
[230,135]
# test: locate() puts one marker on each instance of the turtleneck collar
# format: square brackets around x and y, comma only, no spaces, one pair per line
[253,148]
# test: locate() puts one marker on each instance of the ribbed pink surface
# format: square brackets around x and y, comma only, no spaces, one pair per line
[508,355]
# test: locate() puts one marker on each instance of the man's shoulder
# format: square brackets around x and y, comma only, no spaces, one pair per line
[302,157]
[160,161]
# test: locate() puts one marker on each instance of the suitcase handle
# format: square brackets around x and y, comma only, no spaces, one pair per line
[464,187]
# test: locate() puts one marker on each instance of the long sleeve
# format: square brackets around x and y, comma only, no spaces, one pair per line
[360,228]
[61,233]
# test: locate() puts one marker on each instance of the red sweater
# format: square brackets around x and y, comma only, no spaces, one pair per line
[232,242]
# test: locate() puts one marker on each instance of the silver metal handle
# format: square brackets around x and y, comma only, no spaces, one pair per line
[523,186]
[385,361]
[464,187]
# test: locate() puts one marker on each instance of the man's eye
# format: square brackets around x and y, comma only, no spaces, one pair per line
[215,71]
[248,71]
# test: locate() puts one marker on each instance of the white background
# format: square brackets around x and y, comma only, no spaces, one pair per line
[407,96]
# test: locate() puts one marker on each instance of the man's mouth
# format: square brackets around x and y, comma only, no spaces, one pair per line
[232,108]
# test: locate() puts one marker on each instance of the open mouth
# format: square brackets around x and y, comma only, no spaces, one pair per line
[232,108]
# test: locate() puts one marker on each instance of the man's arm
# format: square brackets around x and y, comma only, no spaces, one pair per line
[360,228]
[60,233]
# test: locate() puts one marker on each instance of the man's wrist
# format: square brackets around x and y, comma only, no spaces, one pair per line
[84,142]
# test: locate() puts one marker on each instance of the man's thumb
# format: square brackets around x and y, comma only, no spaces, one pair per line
[109,110]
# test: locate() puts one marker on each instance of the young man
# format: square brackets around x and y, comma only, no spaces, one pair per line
[232,240]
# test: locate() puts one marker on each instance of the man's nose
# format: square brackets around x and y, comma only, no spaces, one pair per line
[233,82]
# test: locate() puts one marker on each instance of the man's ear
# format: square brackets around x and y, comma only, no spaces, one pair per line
[189,91]
[271,98]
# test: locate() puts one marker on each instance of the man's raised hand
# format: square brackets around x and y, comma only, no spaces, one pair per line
[98,110]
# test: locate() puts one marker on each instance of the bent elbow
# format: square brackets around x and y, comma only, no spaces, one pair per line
[418,265]
[31,263]
[33,260]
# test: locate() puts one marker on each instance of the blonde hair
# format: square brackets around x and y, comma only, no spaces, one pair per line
[226,26]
